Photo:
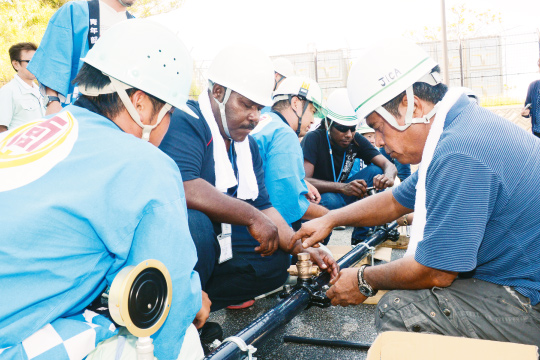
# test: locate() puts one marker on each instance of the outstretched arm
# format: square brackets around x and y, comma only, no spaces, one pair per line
[375,210]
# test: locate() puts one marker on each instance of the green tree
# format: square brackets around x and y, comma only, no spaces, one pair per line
[21,21]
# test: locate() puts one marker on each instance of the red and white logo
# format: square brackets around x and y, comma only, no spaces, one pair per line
[29,151]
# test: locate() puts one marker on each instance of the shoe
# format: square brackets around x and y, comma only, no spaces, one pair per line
[340,227]
[209,333]
[244,305]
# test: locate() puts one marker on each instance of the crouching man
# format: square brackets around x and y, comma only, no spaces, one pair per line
[472,269]
[84,196]
[242,240]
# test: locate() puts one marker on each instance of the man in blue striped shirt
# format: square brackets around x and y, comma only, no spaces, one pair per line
[475,272]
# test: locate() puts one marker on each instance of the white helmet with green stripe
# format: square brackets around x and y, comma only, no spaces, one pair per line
[305,89]
[340,109]
[384,72]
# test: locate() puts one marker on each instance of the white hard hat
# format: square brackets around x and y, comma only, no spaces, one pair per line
[283,66]
[246,70]
[340,109]
[303,87]
[384,72]
[144,55]
[364,129]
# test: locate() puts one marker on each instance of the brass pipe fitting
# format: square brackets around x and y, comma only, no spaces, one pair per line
[304,267]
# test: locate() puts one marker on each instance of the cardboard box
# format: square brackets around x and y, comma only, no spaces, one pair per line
[380,253]
[395,345]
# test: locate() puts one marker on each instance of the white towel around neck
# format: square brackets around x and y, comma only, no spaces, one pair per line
[420,212]
[225,179]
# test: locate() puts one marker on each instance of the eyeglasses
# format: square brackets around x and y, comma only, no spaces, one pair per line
[343,128]
[24,61]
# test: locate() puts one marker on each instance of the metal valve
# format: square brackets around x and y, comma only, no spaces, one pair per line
[304,267]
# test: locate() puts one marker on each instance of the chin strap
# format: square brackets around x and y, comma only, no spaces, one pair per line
[146,129]
[221,106]
[120,88]
[409,120]
[276,83]
[306,104]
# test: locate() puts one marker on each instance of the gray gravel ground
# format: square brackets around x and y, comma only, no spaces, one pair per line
[353,323]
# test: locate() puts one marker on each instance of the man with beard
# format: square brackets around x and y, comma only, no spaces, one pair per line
[242,241]
[71,32]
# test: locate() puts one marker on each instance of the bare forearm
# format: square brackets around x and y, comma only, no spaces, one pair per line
[314,211]
[374,210]
[51,92]
[326,186]
[284,230]
[406,273]
[202,196]
[390,171]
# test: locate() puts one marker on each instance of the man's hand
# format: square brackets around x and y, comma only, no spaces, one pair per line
[525,112]
[313,232]
[204,313]
[344,290]
[53,108]
[313,194]
[381,182]
[356,188]
[266,233]
[324,260]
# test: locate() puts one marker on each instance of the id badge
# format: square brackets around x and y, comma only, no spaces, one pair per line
[225,243]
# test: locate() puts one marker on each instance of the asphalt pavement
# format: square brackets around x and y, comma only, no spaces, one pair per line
[352,323]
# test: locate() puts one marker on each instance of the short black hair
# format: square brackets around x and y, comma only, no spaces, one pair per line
[109,105]
[15,50]
[424,91]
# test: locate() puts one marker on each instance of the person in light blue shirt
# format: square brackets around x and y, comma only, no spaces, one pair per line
[71,32]
[277,137]
[83,197]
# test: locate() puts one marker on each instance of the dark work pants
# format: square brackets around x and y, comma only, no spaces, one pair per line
[469,308]
[334,201]
[242,278]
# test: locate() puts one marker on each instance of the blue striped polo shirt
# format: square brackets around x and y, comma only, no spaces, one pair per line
[482,201]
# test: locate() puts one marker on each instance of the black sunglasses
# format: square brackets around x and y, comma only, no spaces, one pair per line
[343,128]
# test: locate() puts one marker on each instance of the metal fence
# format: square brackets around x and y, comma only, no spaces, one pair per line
[498,68]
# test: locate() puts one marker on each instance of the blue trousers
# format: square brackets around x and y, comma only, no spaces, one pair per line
[334,201]
[242,278]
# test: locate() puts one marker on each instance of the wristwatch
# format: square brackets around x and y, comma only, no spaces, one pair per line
[48,99]
[363,286]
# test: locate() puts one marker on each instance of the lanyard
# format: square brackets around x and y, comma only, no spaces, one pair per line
[233,163]
[332,160]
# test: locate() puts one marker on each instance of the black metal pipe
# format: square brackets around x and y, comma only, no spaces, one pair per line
[256,332]
[326,342]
